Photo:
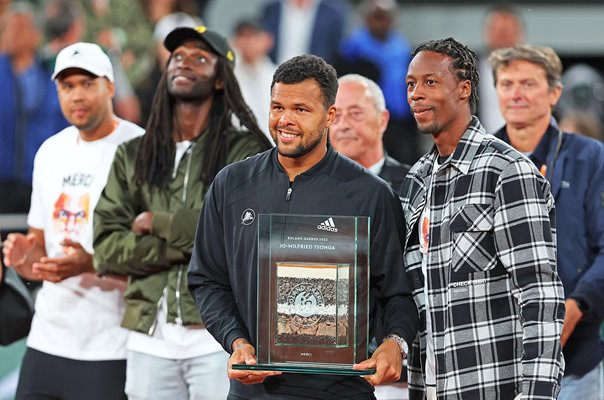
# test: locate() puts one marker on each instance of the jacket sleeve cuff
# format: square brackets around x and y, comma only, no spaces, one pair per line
[162,224]
[582,304]
[540,390]
[232,336]
[589,293]
[174,255]
[99,268]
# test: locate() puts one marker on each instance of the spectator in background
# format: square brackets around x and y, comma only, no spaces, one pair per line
[156,10]
[163,27]
[146,217]
[76,348]
[503,27]
[254,69]
[581,104]
[304,27]
[65,25]
[122,28]
[528,82]
[378,43]
[359,125]
[29,107]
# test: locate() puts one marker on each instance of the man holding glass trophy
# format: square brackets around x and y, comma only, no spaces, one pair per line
[295,249]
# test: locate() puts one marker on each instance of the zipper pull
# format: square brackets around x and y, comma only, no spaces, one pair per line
[289,194]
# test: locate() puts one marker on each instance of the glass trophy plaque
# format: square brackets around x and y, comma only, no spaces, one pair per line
[313,274]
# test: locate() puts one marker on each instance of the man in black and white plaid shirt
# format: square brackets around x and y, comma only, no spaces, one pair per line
[480,248]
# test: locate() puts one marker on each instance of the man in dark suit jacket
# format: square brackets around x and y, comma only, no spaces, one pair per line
[326,25]
[361,119]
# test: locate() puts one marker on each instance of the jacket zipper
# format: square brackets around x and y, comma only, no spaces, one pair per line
[157,306]
[187,173]
[288,196]
[185,185]
[178,319]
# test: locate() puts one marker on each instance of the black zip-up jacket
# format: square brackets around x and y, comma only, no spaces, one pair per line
[223,269]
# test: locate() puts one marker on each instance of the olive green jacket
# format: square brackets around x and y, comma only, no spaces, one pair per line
[158,261]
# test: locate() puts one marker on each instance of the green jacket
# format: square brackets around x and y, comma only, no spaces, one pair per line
[158,261]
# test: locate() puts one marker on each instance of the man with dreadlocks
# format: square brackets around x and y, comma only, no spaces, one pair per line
[480,246]
[146,217]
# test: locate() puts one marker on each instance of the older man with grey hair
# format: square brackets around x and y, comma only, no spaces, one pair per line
[358,129]
[528,82]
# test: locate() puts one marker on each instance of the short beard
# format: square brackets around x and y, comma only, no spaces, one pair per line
[89,125]
[197,94]
[429,129]
[301,149]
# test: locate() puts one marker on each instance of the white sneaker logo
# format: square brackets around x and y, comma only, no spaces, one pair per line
[328,225]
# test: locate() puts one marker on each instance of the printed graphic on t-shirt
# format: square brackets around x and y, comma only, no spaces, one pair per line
[424,237]
[71,215]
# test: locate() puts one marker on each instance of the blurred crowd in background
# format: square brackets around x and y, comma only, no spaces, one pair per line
[131,32]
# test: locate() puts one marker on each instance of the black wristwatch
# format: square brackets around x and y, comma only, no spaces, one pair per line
[582,304]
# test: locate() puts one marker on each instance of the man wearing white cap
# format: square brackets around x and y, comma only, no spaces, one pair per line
[76,348]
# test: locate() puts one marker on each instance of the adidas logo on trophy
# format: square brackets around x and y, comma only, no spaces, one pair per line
[328,225]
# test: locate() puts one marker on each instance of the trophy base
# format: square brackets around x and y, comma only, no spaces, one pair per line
[329,369]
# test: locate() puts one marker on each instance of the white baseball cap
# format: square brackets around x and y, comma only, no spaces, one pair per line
[87,56]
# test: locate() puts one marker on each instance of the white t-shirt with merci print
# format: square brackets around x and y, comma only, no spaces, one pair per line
[80,317]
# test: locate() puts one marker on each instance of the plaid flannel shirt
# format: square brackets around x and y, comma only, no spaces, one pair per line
[495,298]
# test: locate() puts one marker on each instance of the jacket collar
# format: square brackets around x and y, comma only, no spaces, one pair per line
[548,152]
[542,153]
[468,146]
[463,154]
